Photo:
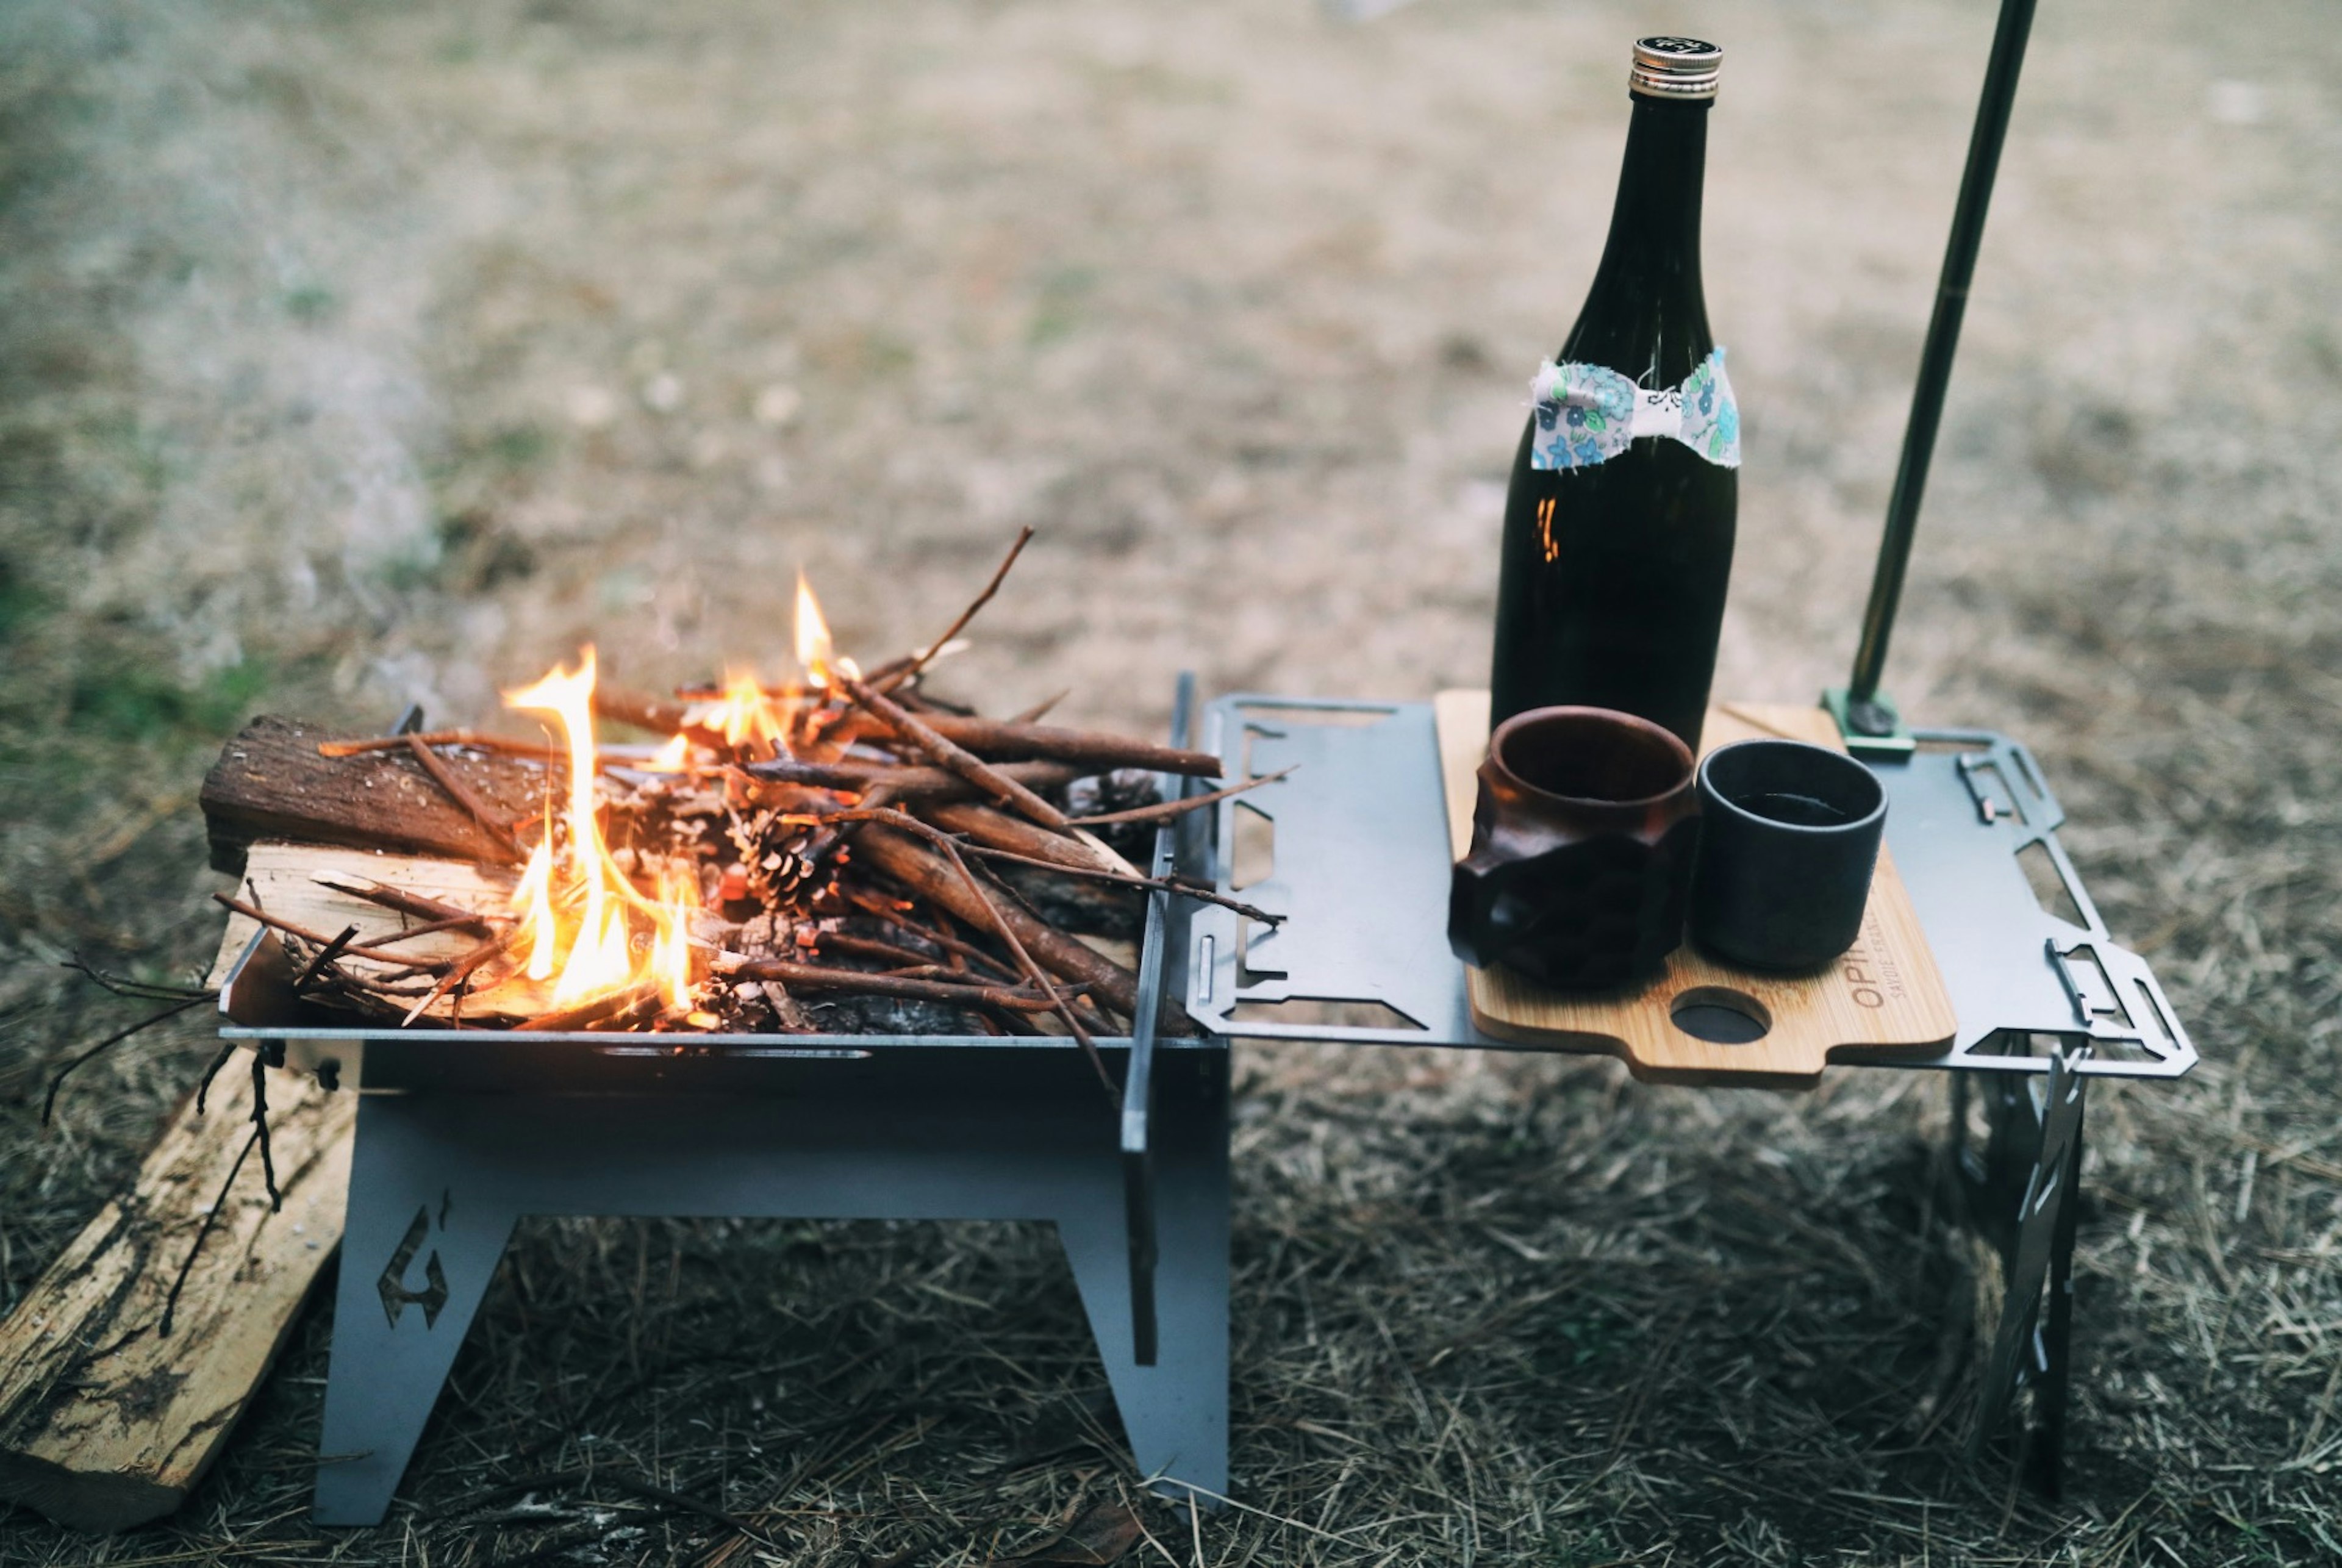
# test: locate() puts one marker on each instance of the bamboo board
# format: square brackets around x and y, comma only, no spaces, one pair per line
[1885,993]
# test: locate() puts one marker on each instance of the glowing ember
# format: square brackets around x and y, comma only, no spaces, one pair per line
[580,915]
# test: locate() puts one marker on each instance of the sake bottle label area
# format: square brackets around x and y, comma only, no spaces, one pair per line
[1588,414]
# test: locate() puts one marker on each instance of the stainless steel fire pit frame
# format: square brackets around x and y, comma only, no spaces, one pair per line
[459,1133]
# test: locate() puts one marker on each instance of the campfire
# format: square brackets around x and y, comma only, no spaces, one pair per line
[842,852]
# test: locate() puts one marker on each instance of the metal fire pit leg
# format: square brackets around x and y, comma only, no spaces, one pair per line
[2034,1157]
[438,1177]
[1174,1404]
[416,1258]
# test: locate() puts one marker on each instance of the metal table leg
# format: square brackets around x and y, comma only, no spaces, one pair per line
[2022,1192]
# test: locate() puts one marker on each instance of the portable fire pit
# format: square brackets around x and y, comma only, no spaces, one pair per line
[460,1132]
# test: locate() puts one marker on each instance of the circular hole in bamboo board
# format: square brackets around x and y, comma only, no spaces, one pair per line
[1720,1016]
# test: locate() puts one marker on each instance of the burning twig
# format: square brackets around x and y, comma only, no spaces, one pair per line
[457,973]
[903,782]
[1096,752]
[461,795]
[1164,811]
[916,732]
[919,661]
[470,738]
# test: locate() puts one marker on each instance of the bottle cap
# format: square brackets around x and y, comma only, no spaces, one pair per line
[1672,67]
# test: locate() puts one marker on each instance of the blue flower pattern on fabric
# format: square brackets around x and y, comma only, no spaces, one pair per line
[1588,414]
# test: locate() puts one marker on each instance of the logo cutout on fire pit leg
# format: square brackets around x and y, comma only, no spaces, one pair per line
[395,1293]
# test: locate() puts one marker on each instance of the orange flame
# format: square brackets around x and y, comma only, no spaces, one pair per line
[579,911]
[673,757]
[747,714]
[815,654]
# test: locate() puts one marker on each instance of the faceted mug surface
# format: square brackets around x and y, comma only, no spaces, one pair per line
[1582,836]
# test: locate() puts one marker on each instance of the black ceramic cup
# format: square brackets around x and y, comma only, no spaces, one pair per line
[1788,838]
[1582,840]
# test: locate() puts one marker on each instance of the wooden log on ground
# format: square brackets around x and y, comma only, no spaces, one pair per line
[270,783]
[105,1422]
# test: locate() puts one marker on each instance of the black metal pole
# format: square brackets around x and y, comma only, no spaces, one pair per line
[1936,360]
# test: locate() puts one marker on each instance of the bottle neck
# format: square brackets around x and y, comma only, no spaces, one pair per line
[1645,315]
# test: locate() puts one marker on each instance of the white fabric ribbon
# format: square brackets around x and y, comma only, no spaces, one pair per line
[1587,414]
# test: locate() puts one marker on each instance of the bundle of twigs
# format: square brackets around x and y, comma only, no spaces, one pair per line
[870,843]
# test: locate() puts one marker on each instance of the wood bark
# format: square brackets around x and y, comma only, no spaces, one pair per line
[270,783]
[105,1422]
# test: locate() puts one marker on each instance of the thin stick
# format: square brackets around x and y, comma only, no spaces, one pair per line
[903,780]
[407,901]
[868,947]
[1162,811]
[204,1085]
[1040,710]
[919,660]
[1039,975]
[470,738]
[457,975]
[892,818]
[324,958]
[818,977]
[1034,972]
[260,1132]
[963,762]
[211,1218]
[57,1082]
[320,939]
[875,906]
[434,928]
[462,793]
[139,990]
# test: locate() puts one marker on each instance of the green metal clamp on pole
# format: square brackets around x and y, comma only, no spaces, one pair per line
[1866,716]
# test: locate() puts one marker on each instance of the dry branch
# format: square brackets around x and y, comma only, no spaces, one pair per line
[921,736]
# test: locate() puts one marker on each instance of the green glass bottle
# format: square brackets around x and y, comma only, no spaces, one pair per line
[1618,522]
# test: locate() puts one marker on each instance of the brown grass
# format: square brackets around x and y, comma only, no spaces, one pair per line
[332,347]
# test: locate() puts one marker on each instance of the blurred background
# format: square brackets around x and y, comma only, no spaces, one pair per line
[355,354]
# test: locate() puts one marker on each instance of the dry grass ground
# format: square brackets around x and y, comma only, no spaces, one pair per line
[354,355]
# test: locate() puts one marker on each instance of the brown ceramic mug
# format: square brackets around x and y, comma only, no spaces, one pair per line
[1582,843]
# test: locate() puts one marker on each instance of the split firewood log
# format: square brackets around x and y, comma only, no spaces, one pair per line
[271,782]
[105,1421]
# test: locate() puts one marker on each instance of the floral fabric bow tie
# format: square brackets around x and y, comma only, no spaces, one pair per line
[1586,414]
